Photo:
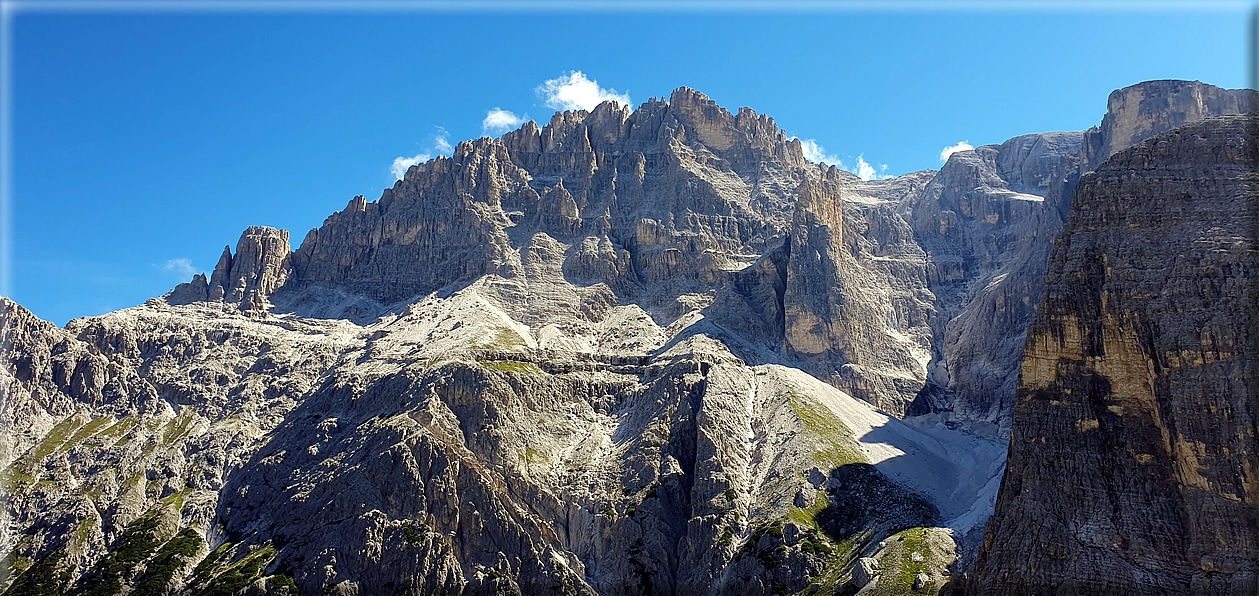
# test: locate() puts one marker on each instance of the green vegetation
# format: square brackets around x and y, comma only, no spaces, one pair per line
[413,535]
[512,366]
[45,577]
[610,513]
[21,564]
[282,584]
[89,430]
[120,428]
[175,501]
[839,445]
[769,558]
[808,517]
[179,427]
[914,540]
[241,573]
[173,557]
[501,338]
[21,474]
[55,439]
[533,456]
[84,531]
[205,569]
[729,494]
[139,541]
[727,536]
[14,479]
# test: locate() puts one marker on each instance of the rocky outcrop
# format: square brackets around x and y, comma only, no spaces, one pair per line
[997,279]
[1140,111]
[874,345]
[261,265]
[1132,456]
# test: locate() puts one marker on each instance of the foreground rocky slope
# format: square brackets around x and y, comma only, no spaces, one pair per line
[1132,465]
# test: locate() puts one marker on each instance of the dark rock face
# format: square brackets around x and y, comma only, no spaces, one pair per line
[1132,464]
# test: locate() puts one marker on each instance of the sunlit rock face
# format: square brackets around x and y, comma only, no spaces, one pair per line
[988,286]
[628,351]
[1132,464]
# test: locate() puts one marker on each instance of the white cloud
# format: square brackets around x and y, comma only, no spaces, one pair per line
[865,170]
[816,153]
[402,164]
[960,146]
[499,121]
[441,146]
[574,91]
[180,267]
[442,142]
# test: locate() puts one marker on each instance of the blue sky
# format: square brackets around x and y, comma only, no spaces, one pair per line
[143,143]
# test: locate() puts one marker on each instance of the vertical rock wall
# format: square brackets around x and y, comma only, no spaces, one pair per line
[1134,456]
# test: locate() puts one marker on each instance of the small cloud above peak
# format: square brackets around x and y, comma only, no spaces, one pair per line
[441,142]
[499,121]
[180,268]
[866,171]
[574,91]
[441,146]
[960,146]
[816,153]
[402,164]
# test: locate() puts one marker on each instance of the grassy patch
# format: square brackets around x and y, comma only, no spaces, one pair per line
[14,479]
[176,501]
[412,534]
[524,368]
[87,431]
[911,541]
[55,439]
[533,456]
[838,443]
[179,427]
[206,568]
[282,584]
[501,338]
[21,564]
[808,517]
[84,531]
[120,428]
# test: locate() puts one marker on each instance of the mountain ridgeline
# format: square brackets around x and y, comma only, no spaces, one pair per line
[657,351]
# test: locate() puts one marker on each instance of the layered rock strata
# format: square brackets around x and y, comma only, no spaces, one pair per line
[1132,465]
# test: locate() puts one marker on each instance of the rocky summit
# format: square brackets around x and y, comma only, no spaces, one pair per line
[657,351]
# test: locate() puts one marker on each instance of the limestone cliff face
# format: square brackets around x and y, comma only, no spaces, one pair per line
[1132,465]
[1140,111]
[981,346]
[680,207]
[261,265]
